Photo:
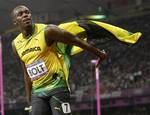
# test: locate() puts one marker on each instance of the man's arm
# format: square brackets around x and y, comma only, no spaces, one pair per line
[27,80]
[28,84]
[55,34]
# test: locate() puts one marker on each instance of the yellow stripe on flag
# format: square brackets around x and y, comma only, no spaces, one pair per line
[119,33]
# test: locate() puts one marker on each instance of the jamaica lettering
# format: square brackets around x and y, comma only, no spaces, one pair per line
[37,48]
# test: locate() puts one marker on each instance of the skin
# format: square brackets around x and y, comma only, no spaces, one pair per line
[21,16]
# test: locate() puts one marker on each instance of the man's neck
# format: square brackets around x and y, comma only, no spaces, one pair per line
[27,32]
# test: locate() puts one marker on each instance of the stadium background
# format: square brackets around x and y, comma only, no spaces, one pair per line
[125,75]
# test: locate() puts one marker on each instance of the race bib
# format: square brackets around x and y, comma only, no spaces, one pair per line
[66,108]
[36,69]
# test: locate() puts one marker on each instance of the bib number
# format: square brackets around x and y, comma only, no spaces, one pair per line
[66,108]
[37,69]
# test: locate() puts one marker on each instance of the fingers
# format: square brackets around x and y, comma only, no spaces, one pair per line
[102,57]
[98,62]
[28,108]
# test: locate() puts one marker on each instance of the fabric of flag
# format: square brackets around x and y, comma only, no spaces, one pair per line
[121,34]
[82,28]
[75,29]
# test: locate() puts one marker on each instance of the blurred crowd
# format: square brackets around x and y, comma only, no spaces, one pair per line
[132,110]
[127,66]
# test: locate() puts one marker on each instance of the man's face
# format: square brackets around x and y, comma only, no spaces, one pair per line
[22,17]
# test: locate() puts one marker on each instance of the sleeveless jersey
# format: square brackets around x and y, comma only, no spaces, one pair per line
[46,66]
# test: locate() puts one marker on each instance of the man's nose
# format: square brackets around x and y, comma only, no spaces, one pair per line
[24,14]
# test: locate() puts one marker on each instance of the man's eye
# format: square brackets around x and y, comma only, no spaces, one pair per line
[19,14]
[27,12]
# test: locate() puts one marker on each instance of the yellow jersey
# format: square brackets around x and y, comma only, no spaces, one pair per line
[44,64]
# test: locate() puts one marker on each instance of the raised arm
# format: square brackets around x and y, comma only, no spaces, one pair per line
[55,34]
[27,80]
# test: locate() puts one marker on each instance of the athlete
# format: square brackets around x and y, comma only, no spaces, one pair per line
[45,65]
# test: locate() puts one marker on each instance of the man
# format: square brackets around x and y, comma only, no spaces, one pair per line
[45,66]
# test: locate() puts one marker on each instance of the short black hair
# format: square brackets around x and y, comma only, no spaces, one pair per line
[16,8]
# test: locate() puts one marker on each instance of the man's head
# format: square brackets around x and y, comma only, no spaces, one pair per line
[21,16]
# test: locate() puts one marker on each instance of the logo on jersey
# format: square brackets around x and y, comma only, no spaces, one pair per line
[37,48]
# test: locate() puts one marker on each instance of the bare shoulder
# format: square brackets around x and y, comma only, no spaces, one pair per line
[51,27]
[51,33]
[55,34]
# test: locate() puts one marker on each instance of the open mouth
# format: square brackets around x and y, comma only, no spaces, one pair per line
[27,20]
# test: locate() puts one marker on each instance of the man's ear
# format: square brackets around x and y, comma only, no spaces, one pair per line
[14,19]
[14,22]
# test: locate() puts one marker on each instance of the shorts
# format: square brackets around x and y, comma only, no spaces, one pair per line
[56,104]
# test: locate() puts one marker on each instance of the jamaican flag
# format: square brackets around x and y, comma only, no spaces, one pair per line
[88,28]
[85,28]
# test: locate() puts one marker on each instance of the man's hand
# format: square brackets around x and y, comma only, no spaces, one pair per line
[29,108]
[103,56]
